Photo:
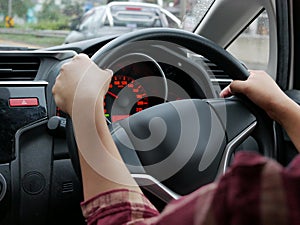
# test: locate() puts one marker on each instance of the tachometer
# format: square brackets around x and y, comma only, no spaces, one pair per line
[125,97]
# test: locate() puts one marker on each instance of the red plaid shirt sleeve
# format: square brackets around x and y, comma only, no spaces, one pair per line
[255,190]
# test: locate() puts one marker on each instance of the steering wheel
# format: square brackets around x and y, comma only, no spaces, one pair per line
[173,148]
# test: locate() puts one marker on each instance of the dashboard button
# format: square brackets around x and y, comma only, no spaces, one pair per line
[23,102]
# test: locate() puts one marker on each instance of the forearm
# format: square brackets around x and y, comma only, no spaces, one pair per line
[289,118]
[102,167]
[114,171]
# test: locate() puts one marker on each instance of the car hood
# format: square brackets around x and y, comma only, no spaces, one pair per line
[75,36]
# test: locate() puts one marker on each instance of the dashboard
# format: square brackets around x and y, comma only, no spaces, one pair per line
[34,152]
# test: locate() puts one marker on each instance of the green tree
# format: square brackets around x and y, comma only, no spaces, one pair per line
[57,17]
[72,9]
[50,11]
[74,12]
[19,7]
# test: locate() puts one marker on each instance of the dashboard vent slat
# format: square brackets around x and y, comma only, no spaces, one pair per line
[18,68]
[214,70]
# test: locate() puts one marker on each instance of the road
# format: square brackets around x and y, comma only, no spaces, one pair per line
[19,44]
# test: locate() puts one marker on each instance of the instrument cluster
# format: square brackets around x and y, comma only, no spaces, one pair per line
[141,85]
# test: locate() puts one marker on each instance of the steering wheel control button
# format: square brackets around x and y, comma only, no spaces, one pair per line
[23,102]
[33,183]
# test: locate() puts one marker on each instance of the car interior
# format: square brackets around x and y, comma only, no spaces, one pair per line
[163,109]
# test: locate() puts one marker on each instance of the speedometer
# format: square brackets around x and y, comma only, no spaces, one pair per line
[125,97]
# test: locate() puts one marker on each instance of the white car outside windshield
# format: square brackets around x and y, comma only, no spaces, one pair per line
[40,24]
[119,18]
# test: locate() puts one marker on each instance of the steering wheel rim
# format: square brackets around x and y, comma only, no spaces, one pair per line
[207,49]
[184,38]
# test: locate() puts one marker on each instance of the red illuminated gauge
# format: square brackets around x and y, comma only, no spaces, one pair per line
[125,97]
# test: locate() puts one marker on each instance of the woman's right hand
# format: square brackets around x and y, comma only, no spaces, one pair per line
[261,89]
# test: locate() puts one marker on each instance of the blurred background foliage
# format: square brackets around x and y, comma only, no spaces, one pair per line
[49,16]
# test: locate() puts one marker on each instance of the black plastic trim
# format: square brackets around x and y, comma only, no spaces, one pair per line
[284,45]
[296,29]
[59,55]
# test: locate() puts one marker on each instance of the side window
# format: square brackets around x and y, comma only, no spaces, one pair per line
[252,46]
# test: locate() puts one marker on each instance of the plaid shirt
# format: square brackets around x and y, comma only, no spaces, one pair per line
[254,191]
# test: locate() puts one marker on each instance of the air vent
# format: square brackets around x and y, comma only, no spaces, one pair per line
[214,70]
[67,187]
[18,68]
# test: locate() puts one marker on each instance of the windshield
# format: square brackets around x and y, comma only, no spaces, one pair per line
[40,23]
[90,18]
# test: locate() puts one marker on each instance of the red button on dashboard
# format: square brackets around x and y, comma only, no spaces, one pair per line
[23,102]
